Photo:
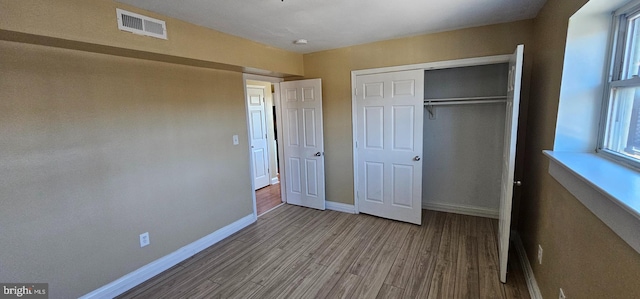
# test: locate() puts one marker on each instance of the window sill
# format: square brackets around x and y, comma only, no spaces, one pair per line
[609,190]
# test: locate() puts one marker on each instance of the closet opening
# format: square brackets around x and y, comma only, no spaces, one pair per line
[440,136]
[463,139]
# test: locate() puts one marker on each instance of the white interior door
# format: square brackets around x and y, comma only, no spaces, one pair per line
[389,144]
[259,147]
[509,157]
[303,142]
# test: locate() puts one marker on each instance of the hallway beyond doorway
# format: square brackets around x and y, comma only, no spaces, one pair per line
[268,198]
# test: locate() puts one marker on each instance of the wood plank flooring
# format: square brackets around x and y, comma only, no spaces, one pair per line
[295,252]
[268,198]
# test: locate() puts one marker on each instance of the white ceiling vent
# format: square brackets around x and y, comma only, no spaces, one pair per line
[139,24]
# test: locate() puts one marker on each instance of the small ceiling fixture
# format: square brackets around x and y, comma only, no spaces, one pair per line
[301,41]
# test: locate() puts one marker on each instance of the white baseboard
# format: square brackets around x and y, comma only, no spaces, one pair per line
[274,181]
[532,284]
[341,207]
[462,209]
[156,267]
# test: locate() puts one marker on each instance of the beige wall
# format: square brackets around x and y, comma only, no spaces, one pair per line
[581,254]
[96,149]
[91,25]
[335,66]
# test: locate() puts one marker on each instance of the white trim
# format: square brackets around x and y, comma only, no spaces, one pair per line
[425,66]
[633,82]
[354,138]
[158,266]
[532,284]
[627,8]
[607,195]
[248,127]
[283,172]
[462,209]
[274,181]
[340,207]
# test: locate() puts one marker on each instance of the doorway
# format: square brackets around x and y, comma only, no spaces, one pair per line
[262,95]
[298,151]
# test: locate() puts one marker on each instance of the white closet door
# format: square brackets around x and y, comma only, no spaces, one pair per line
[509,157]
[303,142]
[389,144]
[258,127]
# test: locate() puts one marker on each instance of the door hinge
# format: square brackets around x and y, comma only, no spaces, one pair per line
[355,91]
[356,144]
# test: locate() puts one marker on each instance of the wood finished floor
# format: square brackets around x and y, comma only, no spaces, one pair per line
[295,252]
[268,198]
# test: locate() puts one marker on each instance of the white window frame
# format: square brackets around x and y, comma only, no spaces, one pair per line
[615,77]
[604,186]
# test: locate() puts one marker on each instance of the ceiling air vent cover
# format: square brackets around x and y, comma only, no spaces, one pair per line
[139,24]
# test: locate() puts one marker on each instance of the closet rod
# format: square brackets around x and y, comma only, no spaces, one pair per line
[467,99]
[442,103]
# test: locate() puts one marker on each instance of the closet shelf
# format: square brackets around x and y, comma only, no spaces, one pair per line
[468,100]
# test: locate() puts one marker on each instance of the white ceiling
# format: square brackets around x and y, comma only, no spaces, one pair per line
[329,24]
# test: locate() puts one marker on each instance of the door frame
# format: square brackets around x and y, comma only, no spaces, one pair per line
[419,66]
[276,102]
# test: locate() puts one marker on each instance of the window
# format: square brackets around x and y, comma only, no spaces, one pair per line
[620,135]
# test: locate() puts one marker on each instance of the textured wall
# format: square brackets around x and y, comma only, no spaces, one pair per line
[581,254]
[96,149]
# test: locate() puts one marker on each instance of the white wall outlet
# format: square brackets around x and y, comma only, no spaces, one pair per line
[235,140]
[144,239]
[539,254]
[561,295]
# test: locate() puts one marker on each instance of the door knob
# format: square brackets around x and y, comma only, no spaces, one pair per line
[517,183]
[416,158]
[318,154]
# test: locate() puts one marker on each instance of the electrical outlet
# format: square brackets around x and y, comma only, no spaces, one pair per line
[144,239]
[561,295]
[539,254]
[235,140]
